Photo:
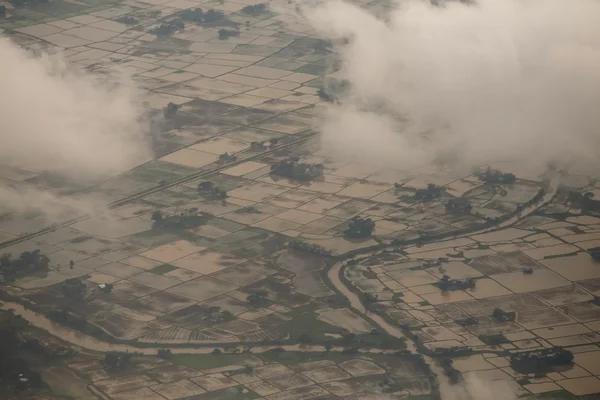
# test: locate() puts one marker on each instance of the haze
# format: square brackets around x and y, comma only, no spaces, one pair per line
[491,81]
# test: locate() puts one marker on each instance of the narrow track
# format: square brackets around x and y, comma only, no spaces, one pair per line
[136,196]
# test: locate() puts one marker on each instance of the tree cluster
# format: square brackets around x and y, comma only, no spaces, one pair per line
[225,34]
[117,361]
[446,284]
[187,219]
[299,171]
[212,191]
[198,16]
[595,253]
[170,110]
[430,193]
[467,321]
[459,206]
[495,176]
[494,340]
[584,201]
[29,262]
[259,298]
[540,361]
[168,28]
[255,9]
[301,245]
[359,228]
[503,316]
[15,371]
[226,158]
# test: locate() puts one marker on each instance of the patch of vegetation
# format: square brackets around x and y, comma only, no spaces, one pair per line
[74,288]
[460,206]
[495,176]
[28,263]
[225,34]
[469,321]
[301,245]
[16,374]
[494,340]
[503,316]
[77,323]
[560,255]
[195,15]
[165,354]
[260,298]
[163,269]
[431,193]
[447,284]
[127,20]
[227,158]
[334,91]
[254,10]
[167,29]
[117,361]
[211,191]
[454,375]
[299,171]
[584,201]
[247,210]
[170,111]
[369,274]
[540,361]
[185,220]
[296,357]
[359,228]
[206,361]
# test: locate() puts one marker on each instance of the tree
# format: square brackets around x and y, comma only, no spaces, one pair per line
[165,354]
[117,360]
[170,110]
[157,217]
[258,299]
[248,370]
[304,338]
[360,228]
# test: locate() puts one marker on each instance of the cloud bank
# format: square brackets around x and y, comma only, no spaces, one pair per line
[74,124]
[475,83]
[58,119]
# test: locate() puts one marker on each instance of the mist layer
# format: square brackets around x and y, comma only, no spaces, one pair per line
[478,83]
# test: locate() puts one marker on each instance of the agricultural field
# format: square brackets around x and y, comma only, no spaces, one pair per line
[554,304]
[218,241]
[271,375]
